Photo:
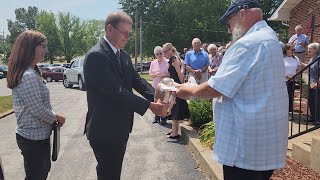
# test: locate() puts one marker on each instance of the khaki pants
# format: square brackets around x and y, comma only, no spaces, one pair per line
[301,56]
[204,77]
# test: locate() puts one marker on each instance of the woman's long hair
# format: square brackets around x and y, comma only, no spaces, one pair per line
[22,55]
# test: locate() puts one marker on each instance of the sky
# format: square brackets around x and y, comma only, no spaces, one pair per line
[84,9]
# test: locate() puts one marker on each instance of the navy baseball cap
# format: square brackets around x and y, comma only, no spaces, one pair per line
[237,5]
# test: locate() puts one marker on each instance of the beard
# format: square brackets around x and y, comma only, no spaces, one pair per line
[237,32]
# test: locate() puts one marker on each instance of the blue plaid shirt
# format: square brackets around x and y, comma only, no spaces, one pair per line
[31,104]
[251,116]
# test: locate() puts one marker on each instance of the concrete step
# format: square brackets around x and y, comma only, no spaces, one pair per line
[315,154]
[301,152]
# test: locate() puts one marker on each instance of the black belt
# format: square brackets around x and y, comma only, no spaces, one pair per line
[299,52]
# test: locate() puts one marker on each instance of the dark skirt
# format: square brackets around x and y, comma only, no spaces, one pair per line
[180,110]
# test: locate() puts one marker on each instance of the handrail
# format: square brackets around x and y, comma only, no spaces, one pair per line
[310,64]
[300,107]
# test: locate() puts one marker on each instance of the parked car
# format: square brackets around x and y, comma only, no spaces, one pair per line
[1,75]
[74,74]
[61,65]
[55,73]
[4,69]
[44,67]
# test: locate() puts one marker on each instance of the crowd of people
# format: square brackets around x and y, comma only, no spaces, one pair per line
[246,77]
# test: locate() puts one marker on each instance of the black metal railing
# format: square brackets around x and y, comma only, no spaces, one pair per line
[304,100]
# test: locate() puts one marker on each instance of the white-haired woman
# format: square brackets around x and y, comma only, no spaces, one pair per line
[158,70]
[314,91]
[215,59]
[180,110]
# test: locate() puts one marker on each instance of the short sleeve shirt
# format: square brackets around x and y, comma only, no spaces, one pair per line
[251,116]
[197,60]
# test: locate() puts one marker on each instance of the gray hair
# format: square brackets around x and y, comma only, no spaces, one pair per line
[196,40]
[157,49]
[315,46]
[212,46]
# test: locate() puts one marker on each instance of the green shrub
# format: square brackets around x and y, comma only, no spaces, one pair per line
[207,134]
[200,112]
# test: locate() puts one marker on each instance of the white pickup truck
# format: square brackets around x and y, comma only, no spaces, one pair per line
[74,74]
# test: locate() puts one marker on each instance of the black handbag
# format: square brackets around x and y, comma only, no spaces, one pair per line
[56,141]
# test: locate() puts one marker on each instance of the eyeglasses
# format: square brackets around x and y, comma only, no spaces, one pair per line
[125,34]
[158,54]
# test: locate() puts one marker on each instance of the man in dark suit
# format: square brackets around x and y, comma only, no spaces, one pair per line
[110,77]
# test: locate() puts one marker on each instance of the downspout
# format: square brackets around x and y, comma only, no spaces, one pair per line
[285,24]
[312,28]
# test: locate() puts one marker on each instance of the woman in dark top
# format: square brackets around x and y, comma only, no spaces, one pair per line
[180,110]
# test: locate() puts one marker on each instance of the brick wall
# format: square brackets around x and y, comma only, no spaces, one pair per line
[301,15]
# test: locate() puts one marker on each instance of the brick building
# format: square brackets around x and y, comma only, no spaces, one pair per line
[304,12]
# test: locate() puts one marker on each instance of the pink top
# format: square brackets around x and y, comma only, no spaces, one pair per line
[159,68]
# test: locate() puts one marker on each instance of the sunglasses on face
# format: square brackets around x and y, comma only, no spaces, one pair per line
[158,54]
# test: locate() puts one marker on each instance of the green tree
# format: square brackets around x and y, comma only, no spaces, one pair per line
[25,19]
[71,35]
[5,47]
[178,21]
[48,26]
[93,31]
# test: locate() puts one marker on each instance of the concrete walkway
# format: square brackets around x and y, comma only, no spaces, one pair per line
[149,155]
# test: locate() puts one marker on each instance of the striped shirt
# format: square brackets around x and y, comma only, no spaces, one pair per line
[251,116]
[31,104]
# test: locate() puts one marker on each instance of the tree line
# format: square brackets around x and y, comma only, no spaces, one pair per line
[175,21]
[67,35]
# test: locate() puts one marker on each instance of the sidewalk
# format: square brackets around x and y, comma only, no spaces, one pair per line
[213,170]
[5,114]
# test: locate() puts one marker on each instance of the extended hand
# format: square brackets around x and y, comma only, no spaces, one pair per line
[159,109]
[184,91]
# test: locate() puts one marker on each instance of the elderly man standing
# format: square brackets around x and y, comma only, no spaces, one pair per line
[300,42]
[197,62]
[251,112]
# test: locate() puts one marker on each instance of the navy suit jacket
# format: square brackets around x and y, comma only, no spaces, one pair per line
[111,102]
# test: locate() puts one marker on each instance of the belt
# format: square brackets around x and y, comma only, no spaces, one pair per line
[299,52]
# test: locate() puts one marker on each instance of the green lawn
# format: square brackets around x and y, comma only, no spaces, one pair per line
[146,76]
[5,103]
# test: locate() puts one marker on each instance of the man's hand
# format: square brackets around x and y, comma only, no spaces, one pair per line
[60,119]
[184,91]
[159,109]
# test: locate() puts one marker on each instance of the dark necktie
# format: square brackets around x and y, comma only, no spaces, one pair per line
[118,58]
